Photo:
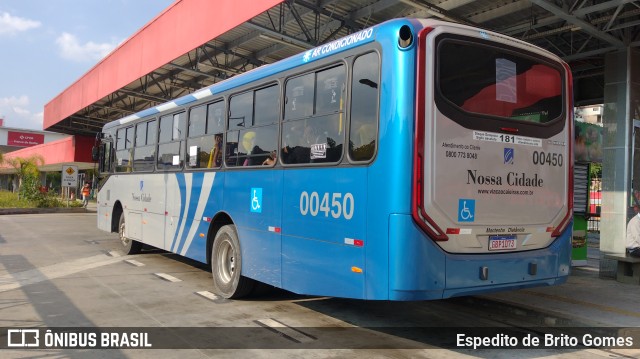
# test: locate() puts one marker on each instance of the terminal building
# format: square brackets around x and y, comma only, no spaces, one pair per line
[195,43]
[26,142]
[13,139]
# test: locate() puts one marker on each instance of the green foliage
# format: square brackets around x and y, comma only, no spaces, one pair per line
[10,200]
[40,200]
[50,200]
[30,188]
[595,170]
[26,169]
[54,179]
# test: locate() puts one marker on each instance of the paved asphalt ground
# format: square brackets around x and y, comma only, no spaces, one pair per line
[58,270]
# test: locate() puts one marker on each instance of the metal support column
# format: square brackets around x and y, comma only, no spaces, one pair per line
[621,102]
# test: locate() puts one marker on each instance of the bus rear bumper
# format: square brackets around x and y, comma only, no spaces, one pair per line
[475,274]
[423,271]
[459,292]
[449,293]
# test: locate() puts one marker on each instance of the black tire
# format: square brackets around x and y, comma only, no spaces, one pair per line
[226,265]
[129,246]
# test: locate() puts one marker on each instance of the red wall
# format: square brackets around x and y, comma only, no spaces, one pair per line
[70,149]
[182,27]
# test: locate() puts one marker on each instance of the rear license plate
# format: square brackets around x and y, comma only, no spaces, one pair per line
[497,243]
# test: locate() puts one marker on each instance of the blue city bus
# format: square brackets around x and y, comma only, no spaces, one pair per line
[413,160]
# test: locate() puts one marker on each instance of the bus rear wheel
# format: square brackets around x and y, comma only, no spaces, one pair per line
[129,246]
[226,265]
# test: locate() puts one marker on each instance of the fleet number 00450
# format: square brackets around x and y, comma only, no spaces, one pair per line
[336,204]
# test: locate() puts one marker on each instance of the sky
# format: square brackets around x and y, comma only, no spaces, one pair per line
[46,45]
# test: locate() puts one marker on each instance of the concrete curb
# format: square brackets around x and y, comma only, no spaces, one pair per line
[4,211]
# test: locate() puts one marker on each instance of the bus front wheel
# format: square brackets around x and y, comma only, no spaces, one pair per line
[129,246]
[226,265]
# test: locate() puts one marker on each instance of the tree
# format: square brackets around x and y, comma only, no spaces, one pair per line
[27,172]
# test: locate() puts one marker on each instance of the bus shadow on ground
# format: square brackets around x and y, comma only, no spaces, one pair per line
[363,324]
[261,291]
[431,325]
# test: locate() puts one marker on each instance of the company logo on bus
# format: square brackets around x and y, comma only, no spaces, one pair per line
[508,156]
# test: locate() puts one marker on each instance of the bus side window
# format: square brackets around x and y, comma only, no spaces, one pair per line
[124,147]
[364,107]
[253,131]
[292,150]
[170,140]
[215,127]
[204,143]
[145,149]
[330,90]
[314,136]
[199,146]
[299,97]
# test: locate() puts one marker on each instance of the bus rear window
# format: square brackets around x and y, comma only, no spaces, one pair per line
[487,80]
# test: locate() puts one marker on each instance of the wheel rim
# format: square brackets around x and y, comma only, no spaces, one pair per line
[226,261]
[123,239]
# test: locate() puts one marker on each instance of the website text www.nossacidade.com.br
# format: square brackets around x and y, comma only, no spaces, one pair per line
[525,192]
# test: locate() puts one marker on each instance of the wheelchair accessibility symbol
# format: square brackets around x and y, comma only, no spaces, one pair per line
[256,200]
[466,210]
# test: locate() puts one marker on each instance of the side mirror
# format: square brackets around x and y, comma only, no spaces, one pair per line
[95,153]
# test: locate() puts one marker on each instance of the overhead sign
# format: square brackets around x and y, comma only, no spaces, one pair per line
[24,139]
[69,176]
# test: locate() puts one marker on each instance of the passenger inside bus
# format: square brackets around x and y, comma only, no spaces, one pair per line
[271,160]
[255,155]
[298,144]
[215,156]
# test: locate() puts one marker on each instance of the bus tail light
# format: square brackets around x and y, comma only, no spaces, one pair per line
[417,211]
[567,218]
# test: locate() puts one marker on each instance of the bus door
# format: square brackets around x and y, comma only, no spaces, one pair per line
[149,198]
[174,192]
